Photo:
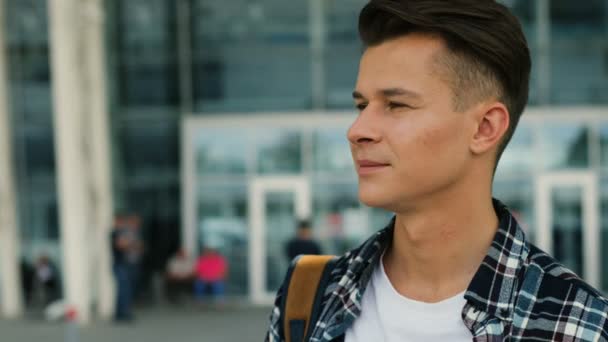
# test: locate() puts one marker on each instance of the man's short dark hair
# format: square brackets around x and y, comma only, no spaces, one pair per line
[488,53]
[303,224]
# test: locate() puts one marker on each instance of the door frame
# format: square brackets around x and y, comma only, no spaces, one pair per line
[588,182]
[257,189]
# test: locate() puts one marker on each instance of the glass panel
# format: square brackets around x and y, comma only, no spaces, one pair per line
[332,152]
[222,221]
[150,146]
[251,56]
[603,131]
[146,56]
[518,196]
[566,204]
[343,51]
[519,157]
[280,227]
[578,51]
[525,11]
[334,206]
[28,58]
[222,151]
[27,49]
[278,151]
[564,146]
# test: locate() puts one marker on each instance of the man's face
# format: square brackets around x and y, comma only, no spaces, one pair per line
[408,142]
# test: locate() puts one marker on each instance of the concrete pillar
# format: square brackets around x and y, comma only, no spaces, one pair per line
[82,150]
[11,300]
[99,135]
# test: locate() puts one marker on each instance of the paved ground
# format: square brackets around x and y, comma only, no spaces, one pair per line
[166,325]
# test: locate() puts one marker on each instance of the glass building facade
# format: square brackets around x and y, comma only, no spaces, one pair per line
[172,62]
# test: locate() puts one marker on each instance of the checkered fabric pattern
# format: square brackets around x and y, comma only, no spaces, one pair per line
[519,293]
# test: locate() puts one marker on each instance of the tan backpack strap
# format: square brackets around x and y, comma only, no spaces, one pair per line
[301,294]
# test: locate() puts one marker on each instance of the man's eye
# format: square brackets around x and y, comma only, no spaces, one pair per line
[393,105]
[361,106]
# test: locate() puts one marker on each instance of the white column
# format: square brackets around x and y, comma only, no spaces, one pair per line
[70,149]
[100,158]
[11,296]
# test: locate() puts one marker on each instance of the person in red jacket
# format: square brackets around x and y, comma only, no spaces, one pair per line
[211,271]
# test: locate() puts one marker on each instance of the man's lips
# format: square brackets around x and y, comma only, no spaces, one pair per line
[365,166]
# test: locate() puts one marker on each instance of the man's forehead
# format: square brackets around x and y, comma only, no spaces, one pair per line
[400,65]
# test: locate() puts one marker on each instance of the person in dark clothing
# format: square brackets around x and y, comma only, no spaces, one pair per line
[46,279]
[126,247]
[27,280]
[302,243]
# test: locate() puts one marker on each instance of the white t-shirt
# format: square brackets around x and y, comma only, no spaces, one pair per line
[388,316]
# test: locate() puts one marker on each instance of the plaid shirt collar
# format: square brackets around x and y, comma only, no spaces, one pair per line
[500,267]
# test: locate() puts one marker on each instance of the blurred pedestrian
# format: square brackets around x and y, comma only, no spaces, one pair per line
[27,280]
[126,250]
[46,280]
[179,275]
[303,242]
[211,273]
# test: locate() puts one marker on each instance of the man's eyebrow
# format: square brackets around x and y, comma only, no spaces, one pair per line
[399,92]
[389,92]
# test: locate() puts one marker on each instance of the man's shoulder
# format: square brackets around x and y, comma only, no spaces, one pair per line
[557,287]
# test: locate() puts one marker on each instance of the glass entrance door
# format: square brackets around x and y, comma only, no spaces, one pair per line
[568,221]
[275,205]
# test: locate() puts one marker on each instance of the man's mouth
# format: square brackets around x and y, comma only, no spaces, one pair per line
[365,166]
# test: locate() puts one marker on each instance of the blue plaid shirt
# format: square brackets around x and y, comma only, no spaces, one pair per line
[519,293]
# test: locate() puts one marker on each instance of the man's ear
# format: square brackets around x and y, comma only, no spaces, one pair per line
[492,124]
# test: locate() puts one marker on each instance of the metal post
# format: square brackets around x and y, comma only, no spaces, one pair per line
[11,297]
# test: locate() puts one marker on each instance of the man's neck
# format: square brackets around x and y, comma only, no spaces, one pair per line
[437,249]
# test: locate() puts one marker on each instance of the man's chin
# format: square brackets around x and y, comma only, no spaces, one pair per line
[374,200]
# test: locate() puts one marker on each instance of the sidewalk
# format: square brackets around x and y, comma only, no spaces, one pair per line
[166,325]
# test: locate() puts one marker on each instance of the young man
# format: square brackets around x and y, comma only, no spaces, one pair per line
[440,90]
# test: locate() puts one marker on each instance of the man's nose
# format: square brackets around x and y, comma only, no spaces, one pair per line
[365,129]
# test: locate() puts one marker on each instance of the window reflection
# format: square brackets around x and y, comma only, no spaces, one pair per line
[342,59]
[332,152]
[519,156]
[278,151]
[603,133]
[578,51]
[251,56]
[518,196]
[29,86]
[222,151]
[146,56]
[564,146]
